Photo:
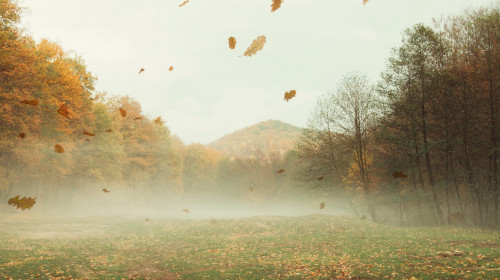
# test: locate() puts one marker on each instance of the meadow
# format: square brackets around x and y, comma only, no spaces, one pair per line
[271,247]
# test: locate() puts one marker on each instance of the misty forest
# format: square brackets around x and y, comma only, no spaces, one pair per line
[395,178]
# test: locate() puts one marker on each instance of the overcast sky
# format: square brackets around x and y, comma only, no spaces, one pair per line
[212,91]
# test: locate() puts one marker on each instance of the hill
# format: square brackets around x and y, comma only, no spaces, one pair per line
[261,139]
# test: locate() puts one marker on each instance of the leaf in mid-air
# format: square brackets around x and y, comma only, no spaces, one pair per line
[123,112]
[185,210]
[399,174]
[63,110]
[88,133]
[276,5]
[365,1]
[281,171]
[138,118]
[320,178]
[251,189]
[171,68]
[105,190]
[142,70]
[158,120]
[109,130]
[23,203]
[256,46]
[184,3]
[322,205]
[147,220]
[289,95]
[363,217]
[32,102]
[232,42]
[58,149]
[87,140]
[22,135]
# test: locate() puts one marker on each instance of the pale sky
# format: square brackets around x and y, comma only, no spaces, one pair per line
[212,91]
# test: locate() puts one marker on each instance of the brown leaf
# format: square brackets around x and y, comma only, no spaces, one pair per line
[185,210]
[289,95]
[88,133]
[123,112]
[251,189]
[158,120]
[138,118]
[184,3]
[171,68]
[142,70]
[276,5]
[363,217]
[322,205]
[147,220]
[365,1]
[320,178]
[109,130]
[256,46]
[399,174]
[63,110]
[232,42]
[281,171]
[22,135]
[105,190]
[23,203]
[58,149]
[87,140]
[32,102]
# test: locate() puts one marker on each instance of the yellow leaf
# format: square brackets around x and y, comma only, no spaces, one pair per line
[232,42]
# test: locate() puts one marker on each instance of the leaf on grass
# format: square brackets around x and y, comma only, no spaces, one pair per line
[276,5]
[142,70]
[256,46]
[123,112]
[88,133]
[63,110]
[109,130]
[399,174]
[58,149]
[105,190]
[23,203]
[320,178]
[184,3]
[322,205]
[137,118]
[171,68]
[158,120]
[22,135]
[185,210]
[281,171]
[289,95]
[232,42]
[32,102]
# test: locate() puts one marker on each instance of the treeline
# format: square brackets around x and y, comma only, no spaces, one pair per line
[424,143]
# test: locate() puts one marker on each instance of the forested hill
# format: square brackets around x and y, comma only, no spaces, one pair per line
[264,138]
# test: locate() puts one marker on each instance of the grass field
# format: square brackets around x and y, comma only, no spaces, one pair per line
[307,247]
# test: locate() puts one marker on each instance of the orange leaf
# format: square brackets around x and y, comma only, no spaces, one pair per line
[105,190]
[399,174]
[275,5]
[158,120]
[186,210]
[88,133]
[138,118]
[109,130]
[22,135]
[123,112]
[171,68]
[63,110]
[232,42]
[365,1]
[289,95]
[184,3]
[322,205]
[58,149]
[32,102]
[142,70]
[256,46]
[23,203]
[281,171]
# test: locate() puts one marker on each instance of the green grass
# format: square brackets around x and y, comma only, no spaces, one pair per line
[314,247]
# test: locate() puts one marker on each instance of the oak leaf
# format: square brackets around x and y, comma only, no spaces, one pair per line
[365,1]
[137,118]
[171,68]
[276,5]
[23,203]
[142,70]
[109,130]
[158,120]
[88,133]
[32,102]
[289,95]
[58,149]
[399,174]
[105,190]
[63,110]
[147,220]
[232,42]
[322,205]
[22,135]
[363,217]
[185,210]
[123,112]
[320,178]
[184,3]
[256,46]
[281,171]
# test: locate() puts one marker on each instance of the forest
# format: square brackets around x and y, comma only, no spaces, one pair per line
[420,146]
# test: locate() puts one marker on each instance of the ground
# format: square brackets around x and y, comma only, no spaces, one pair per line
[307,247]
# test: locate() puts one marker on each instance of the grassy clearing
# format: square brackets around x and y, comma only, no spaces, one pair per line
[315,247]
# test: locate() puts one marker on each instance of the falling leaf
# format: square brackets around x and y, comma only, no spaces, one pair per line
[88,133]
[289,95]
[171,68]
[256,46]
[251,189]
[138,118]
[109,130]
[320,178]
[87,140]
[123,112]
[232,42]
[105,190]
[363,217]
[142,70]
[322,205]
[158,120]
[147,220]
[185,210]
[22,135]
[58,149]
[184,3]
[281,171]
[23,203]
[399,174]
[63,110]
[365,1]
[32,102]
[275,5]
